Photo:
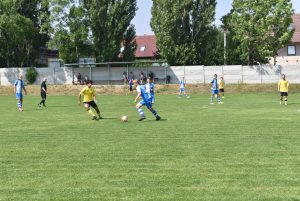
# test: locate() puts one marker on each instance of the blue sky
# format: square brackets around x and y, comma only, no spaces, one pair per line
[143,15]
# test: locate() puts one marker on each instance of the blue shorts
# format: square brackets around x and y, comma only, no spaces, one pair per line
[182,89]
[19,95]
[147,104]
[215,91]
[152,99]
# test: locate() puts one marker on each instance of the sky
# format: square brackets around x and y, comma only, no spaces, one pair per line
[143,15]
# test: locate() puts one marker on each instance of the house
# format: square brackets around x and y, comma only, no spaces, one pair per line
[290,55]
[146,47]
[46,54]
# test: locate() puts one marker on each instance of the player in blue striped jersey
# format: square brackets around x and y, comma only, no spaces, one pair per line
[19,86]
[182,88]
[150,89]
[215,90]
[146,100]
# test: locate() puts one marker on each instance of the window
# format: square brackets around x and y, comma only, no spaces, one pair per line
[291,50]
[142,49]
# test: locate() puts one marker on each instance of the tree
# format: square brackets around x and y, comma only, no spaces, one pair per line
[109,20]
[183,29]
[22,31]
[259,28]
[71,31]
[129,45]
[15,32]
[38,12]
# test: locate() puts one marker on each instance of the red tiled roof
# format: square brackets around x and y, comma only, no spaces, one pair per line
[148,43]
[296,25]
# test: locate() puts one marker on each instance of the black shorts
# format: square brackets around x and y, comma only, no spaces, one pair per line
[222,90]
[283,93]
[43,95]
[91,104]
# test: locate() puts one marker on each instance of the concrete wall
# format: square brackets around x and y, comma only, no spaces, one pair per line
[192,74]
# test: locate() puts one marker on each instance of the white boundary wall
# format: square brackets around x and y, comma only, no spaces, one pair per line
[192,74]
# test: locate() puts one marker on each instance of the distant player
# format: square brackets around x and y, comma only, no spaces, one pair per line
[283,88]
[150,89]
[221,87]
[182,88]
[89,100]
[18,89]
[146,100]
[215,90]
[130,82]
[43,93]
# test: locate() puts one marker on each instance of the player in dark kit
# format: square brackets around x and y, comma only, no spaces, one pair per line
[43,93]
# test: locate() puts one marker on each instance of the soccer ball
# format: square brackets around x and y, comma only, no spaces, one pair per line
[124,118]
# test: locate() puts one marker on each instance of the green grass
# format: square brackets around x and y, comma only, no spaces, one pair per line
[246,149]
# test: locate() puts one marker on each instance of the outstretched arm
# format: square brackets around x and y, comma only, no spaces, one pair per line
[79,99]
[24,90]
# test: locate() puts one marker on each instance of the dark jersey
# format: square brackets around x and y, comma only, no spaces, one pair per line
[43,85]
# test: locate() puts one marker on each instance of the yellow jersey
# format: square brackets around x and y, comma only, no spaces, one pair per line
[221,84]
[88,94]
[283,86]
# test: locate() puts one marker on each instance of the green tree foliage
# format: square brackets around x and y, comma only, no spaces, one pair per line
[71,30]
[31,75]
[258,29]
[184,30]
[22,31]
[129,45]
[109,21]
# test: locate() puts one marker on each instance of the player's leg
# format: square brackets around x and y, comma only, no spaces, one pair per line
[95,106]
[179,93]
[285,98]
[185,94]
[19,98]
[212,97]
[44,96]
[88,109]
[281,97]
[140,110]
[219,98]
[153,111]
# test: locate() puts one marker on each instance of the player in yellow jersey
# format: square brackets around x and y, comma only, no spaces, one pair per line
[89,100]
[283,88]
[221,87]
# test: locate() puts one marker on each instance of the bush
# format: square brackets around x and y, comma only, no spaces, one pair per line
[31,75]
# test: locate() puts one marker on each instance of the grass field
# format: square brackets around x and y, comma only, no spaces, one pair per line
[246,149]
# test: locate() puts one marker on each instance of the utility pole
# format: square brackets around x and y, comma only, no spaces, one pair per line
[225,46]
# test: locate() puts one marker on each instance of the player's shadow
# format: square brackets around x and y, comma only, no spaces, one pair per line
[152,120]
[61,106]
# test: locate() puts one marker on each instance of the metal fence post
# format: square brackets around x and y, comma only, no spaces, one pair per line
[260,74]
[91,73]
[203,72]
[165,74]
[108,69]
[242,73]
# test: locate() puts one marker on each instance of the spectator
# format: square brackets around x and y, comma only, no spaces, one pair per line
[125,79]
[168,79]
[86,79]
[142,75]
[79,79]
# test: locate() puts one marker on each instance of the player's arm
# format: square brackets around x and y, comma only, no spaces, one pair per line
[279,86]
[44,90]
[137,97]
[79,99]
[24,90]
